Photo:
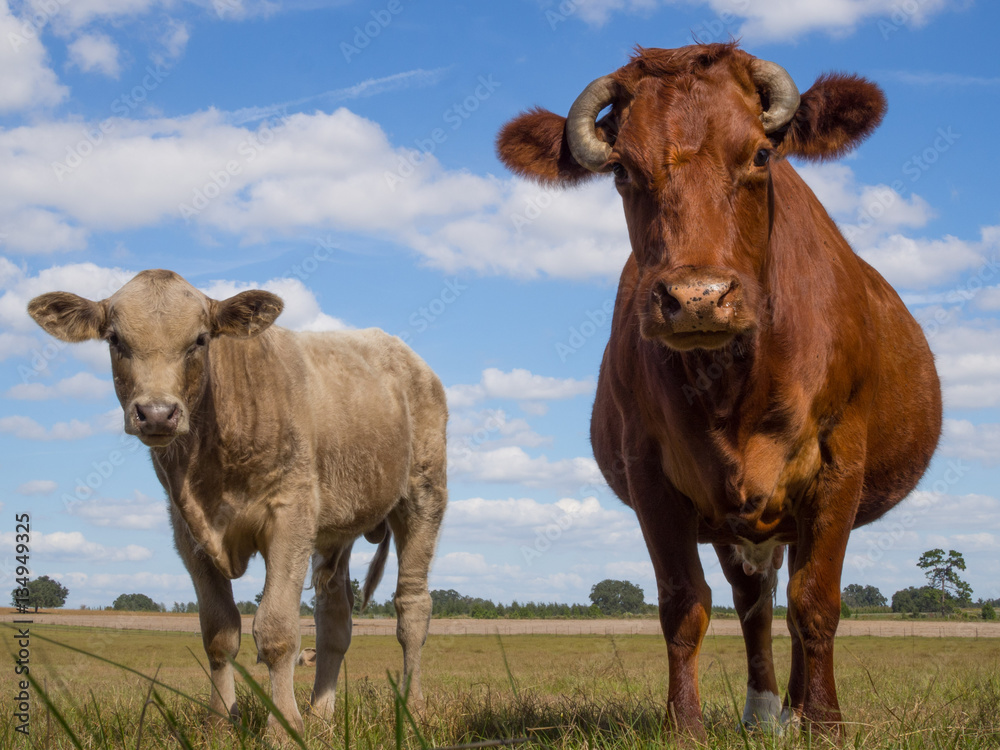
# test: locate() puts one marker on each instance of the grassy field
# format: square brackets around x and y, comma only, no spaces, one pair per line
[560,691]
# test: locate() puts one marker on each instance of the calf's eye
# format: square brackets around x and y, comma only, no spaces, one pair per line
[761,158]
[619,171]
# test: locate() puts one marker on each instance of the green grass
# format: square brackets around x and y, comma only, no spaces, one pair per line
[553,691]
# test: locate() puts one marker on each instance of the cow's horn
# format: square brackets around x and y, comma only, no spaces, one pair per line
[589,150]
[782,94]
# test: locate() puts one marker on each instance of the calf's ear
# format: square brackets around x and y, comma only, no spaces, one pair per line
[68,316]
[834,117]
[534,145]
[245,314]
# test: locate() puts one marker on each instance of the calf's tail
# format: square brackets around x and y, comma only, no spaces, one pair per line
[376,568]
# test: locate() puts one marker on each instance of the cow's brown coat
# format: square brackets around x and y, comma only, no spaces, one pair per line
[813,408]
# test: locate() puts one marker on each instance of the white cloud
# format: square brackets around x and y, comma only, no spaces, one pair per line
[631,570]
[82,386]
[763,21]
[37,487]
[334,171]
[870,217]
[26,428]
[95,53]
[120,583]
[512,465]
[518,384]
[968,362]
[27,81]
[139,512]
[472,428]
[301,311]
[72,544]
[977,442]
[523,521]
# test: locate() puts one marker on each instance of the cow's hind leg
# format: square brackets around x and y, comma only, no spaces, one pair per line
[752,596]
[415,524]
[334,603]
[220,621]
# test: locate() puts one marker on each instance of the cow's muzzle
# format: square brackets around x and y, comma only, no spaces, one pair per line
[694,308]
[156,422]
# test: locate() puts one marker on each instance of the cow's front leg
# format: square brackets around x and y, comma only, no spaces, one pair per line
[670,528]
[276,624]
[220,621]
[814,596]
[752,597]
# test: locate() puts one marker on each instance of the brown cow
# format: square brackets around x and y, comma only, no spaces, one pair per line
[281,443]
[763,385]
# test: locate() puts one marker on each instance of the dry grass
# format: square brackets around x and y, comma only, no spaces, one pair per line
[560,692]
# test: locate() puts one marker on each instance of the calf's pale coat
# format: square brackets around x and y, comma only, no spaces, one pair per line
[287,444]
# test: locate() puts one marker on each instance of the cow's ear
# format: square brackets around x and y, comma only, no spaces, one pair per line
[534,145]
[245,314]
[68,316]
[835,115]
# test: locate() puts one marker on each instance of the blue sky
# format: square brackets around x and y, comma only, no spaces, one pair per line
[341,154]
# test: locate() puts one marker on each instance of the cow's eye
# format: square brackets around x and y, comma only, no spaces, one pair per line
[762,156]
[201,340]
[113,340]
[620,173]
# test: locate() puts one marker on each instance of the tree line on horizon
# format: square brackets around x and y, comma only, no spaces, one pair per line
[945,593]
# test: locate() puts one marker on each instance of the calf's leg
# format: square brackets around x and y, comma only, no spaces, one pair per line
[415,529]
[276,624]
[220,620]
[334,604]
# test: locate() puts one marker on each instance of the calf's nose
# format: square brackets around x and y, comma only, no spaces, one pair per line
[157,416]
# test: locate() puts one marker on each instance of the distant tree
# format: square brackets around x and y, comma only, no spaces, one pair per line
[845,611]
[856,595]
[259,597]
[988,612]
[136,603]
[356,589]
[305,610]
[921,599]
[246,608]
[941,574]
[42,592]
[617,597]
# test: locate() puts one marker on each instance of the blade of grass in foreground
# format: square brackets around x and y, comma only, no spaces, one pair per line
[403,711]
[506,666]
[266,700]
[55,711]
[136,672]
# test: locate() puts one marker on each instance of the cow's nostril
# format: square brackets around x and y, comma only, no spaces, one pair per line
[139,413]
[669,304]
